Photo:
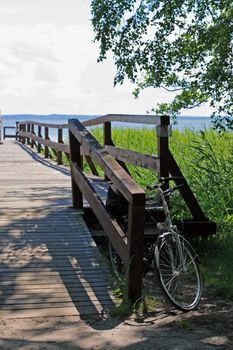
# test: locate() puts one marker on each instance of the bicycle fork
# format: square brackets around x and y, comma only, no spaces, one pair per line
[180,259]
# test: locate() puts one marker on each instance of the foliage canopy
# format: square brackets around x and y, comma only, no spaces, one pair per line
[180,45]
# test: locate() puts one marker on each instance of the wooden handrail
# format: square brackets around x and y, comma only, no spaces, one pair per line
[26,131]
[48,125]
[129,248]
[129,118]
[111,167]
[163,163]
[48,143]
[138,159]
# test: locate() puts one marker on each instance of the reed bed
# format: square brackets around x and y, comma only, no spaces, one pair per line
[206,160]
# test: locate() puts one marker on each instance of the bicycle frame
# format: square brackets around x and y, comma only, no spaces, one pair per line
[168,228]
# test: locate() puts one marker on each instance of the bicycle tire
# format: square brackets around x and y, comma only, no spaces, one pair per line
[181,288]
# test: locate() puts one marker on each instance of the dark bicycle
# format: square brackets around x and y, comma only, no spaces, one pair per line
[172,257]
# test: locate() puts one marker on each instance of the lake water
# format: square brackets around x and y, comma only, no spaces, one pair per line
[194,123]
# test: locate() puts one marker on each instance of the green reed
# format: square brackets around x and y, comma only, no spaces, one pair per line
[206,160]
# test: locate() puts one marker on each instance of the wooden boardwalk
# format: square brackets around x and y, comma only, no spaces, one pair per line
[49,263]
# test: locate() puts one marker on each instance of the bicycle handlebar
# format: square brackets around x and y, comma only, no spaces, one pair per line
[171,178]
[162,181]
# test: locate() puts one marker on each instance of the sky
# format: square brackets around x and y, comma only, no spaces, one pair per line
[48,64]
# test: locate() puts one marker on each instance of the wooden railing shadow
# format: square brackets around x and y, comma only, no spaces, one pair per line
[44,161]
[27,251]
[36,134]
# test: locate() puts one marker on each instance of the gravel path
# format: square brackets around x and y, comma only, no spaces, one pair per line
[210,327]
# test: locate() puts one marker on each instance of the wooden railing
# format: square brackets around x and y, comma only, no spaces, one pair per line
[112,161]
[163,164]
[5,128]
[36,134]
[11,135]
[130,247]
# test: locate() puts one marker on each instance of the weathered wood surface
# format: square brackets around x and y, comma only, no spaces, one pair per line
[49,263]
[130,250]
[138,159]
[129,118]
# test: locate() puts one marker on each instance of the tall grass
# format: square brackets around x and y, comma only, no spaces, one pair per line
[206,160]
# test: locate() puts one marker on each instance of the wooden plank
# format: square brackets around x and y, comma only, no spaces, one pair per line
[50,289]
[58,300]
[54,253]
[62,269]
[185,191]
[51,277]
[135,158]
[47,142]
[43,305]
[79,281]
[111,167]
[109,224]
[48,125]
[49,263]
[51,293]
[129,118]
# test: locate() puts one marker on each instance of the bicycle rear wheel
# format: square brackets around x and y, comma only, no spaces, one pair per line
[180,281]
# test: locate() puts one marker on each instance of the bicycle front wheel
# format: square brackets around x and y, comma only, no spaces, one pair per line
[179,276]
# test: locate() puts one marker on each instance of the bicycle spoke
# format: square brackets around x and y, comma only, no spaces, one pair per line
[179,274]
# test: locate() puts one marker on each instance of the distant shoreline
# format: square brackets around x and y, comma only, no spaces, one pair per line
[183,122]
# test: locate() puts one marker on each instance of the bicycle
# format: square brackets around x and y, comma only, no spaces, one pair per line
[171,256]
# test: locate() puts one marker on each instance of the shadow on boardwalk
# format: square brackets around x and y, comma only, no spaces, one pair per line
[49,265]
[52,261]
[46,162]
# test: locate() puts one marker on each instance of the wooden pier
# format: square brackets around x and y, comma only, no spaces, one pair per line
[41,231]
[49,263]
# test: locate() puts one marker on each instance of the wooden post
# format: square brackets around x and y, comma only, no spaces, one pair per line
[23,129]
[75,157]
[186,191]
[108,134]
[28,130]
[32,132]
[136,216]
[107,131]
[39,135]
[46,149]
[163,131]
[60,140]
[17,131]
[0,128]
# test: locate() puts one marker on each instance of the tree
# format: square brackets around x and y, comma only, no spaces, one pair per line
[179,45]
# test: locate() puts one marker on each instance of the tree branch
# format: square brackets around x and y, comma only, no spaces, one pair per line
[171,90]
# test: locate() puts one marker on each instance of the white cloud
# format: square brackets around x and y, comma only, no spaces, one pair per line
[48,63]
[10,10]
[45,72]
